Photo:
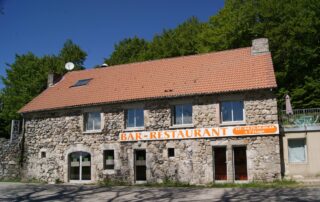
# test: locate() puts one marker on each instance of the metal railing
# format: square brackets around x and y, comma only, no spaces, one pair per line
[300,117]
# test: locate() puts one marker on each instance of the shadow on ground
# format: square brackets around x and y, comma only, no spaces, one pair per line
[35,192]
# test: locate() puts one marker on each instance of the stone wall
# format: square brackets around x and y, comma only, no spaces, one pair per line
[10,158]
[59,133]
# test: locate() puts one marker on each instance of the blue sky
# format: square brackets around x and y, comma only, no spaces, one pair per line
[42,26]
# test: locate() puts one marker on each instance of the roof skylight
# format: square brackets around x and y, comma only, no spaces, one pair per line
[81,82]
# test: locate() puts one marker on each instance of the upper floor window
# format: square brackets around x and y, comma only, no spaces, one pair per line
[182,114]
[232,111]
[92,121]
[135,118]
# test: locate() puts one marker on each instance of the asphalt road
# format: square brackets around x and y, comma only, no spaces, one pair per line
[39,192]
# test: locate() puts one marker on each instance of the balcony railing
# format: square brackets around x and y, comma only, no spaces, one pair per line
[301,118]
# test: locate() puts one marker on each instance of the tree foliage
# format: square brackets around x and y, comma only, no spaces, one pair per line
[27,77]
[292,27]
[173,42]
[127,51]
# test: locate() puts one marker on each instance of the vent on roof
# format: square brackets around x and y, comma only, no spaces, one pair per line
[81,82]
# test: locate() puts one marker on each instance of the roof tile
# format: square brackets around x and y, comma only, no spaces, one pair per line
[216,72]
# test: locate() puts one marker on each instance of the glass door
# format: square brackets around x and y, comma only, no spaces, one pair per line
[140,165]
[79,166]
[74,159]
[86,166]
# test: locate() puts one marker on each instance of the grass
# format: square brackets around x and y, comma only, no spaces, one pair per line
[258,184]
[168,183]
[10,180]
[17,180]
[110,183]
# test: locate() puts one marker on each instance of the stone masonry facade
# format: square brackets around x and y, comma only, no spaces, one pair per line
[10,158]
[59,133]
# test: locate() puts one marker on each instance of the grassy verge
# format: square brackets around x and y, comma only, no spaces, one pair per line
[258,184]
[168,183]
[17,180]
[10,180]
[110,183]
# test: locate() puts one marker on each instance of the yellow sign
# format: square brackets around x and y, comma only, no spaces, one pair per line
[271,129]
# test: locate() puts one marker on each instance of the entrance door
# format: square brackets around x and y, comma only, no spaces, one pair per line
[79,166]
[140,165]
[220,163]
[240,163]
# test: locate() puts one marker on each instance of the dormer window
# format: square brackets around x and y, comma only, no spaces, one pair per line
[81,82]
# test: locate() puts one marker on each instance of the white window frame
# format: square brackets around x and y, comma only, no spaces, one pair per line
[232,121]
[135,118]
[85,119]
[80,180]
[305,150]
[182,118]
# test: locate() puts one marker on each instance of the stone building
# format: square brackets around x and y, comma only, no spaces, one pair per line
[195,119]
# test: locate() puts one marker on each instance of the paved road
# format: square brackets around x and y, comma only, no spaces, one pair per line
[36,192]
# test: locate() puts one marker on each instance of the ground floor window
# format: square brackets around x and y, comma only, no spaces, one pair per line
[108,159]
[80,166]
[170,152]
[297,150]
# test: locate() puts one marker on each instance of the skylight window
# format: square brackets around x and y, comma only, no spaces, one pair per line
[81,82]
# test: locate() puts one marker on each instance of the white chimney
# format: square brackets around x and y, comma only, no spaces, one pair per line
[259,46]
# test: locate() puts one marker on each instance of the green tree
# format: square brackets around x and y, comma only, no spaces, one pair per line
[73,53]
[3,123]
[27,77]
[182,40]
[292,27]
[127,51]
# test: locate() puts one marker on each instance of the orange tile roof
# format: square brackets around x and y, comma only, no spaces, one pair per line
[225,71]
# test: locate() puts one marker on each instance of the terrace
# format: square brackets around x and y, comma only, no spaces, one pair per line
[300,120]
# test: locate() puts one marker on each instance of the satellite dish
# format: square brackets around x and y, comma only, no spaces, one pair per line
[69,66]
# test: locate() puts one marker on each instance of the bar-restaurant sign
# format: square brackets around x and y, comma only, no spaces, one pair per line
[271,129]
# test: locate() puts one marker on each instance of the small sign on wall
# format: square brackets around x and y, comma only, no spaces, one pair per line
[214,132]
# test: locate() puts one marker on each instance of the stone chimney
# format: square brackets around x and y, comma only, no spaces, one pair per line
[259,46]
[53,79]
